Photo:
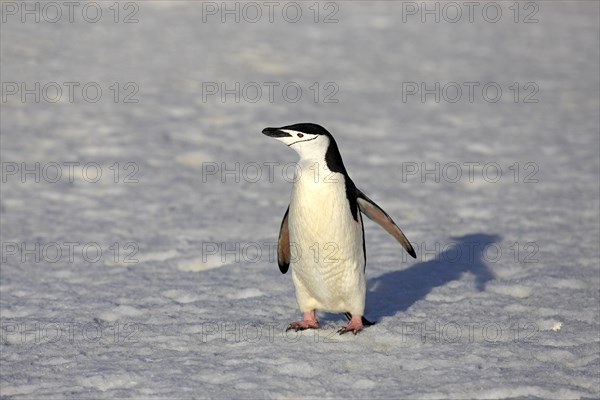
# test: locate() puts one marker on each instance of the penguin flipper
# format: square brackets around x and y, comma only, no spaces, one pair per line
[283,245]
[376,213]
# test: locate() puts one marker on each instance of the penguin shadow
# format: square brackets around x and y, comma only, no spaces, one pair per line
[396,291]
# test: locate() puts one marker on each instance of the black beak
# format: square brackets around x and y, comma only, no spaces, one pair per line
[275,132]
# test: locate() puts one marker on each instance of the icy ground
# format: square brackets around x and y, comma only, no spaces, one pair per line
[185,299]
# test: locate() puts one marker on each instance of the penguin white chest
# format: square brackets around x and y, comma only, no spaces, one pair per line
[327,253]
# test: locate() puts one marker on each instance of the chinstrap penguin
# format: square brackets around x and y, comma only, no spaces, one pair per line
[321,235]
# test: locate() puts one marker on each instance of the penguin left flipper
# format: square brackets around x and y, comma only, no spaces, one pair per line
[376,213]
[283,244]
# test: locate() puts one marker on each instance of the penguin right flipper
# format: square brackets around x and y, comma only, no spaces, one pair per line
[283,244]
[376,213]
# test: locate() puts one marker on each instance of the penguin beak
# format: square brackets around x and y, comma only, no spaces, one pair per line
[275,133]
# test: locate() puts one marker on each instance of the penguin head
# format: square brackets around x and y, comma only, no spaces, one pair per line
[311,141]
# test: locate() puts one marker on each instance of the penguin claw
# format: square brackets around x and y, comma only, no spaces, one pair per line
[345,329]
[355,325]
[303,325]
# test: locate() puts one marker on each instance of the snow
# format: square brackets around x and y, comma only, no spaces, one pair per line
[158,279]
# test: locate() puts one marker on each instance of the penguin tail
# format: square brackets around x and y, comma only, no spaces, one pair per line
[365,321]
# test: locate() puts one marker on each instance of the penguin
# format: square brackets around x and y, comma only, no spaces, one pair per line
[321,235]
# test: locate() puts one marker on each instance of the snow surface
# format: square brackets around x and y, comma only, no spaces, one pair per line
[196,316]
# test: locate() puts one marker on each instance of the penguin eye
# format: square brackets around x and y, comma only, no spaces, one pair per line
[300,135]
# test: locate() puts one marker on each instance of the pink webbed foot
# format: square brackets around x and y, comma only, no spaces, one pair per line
[355,325]
[308,322]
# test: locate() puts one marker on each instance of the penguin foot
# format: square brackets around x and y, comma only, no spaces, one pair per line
[365,321]
[308,322]
[302,325]
[355,325]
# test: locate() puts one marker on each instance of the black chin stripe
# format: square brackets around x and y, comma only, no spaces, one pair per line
[298,141]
